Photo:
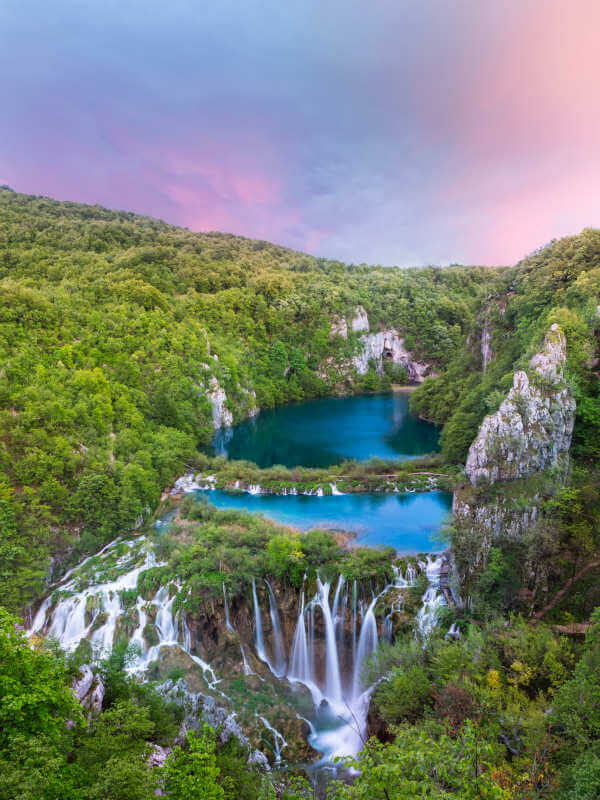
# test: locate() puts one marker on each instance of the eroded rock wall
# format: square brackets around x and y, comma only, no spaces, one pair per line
[222,416]
[528,435]
[532,429]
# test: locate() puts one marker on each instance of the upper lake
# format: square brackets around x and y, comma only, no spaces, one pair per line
[320,433]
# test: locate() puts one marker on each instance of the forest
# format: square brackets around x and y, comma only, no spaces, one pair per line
[112,328]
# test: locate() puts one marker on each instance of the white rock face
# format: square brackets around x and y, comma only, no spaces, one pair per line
[82,686]
[358,322]
[158,755]
[222,416]
[89,689]
[486,345]
[495,519]
[532,428]
[339,327]
[388,345]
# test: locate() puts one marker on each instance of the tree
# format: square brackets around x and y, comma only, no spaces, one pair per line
[39,717]
[192,773]
[112,755]
[416,765]
[35,697]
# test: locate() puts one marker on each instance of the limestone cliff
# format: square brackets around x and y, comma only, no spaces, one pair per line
[378,346]
[529,434]
[359,321]
[222,416]
[532,429]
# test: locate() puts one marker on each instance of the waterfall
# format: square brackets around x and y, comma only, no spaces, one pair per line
[138,635]
[165,624]
[333,682]
[432,599]
[227,620]
[186,645]
[258,632]
[278,646]
[40,618]
[299,662]
[354,600]
[311,639]
[278,741]
[247,670]
[321,650]
[187,636]
[336,599]
[367,644]
[387,627]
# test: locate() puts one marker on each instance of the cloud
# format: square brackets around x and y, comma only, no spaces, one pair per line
[397,132]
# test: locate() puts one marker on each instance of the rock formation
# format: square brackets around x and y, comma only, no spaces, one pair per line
[388,345]
[529,433]
[532,429]
[222,416]
[89,689]
[378,346]
[358,322]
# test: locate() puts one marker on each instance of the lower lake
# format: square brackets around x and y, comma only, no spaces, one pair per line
[409,522]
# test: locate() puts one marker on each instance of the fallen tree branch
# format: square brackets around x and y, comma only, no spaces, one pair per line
[561,592]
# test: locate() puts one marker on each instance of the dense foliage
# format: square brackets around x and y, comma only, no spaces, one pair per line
[209,548]
[559,283]
[111,329]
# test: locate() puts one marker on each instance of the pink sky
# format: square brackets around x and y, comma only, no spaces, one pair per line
[398,132]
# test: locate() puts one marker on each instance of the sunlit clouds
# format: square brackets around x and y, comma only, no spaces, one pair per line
[397,132]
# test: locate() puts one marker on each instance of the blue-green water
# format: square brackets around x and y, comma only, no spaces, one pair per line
[405,521]
[321,433]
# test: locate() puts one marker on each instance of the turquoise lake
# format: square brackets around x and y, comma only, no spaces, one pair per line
[408,521]
[321,433]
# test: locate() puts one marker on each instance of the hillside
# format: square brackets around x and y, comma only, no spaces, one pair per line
[125,343]
[117,331]
[125,340]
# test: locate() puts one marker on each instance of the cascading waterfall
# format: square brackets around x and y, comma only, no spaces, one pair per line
[67,620]
[278,646]
[333,637]
[354,603]
[367,644]
[258,633]
[247,669]
[432,599]
[333,680]
[300,669]
[227,620]
[336,600]
[278,741]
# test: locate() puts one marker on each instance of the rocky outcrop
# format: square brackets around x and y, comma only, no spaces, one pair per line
[358,322]
[531,431]
[222,416]
[377,346]
[388,345]
[89,689]
[493,519]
